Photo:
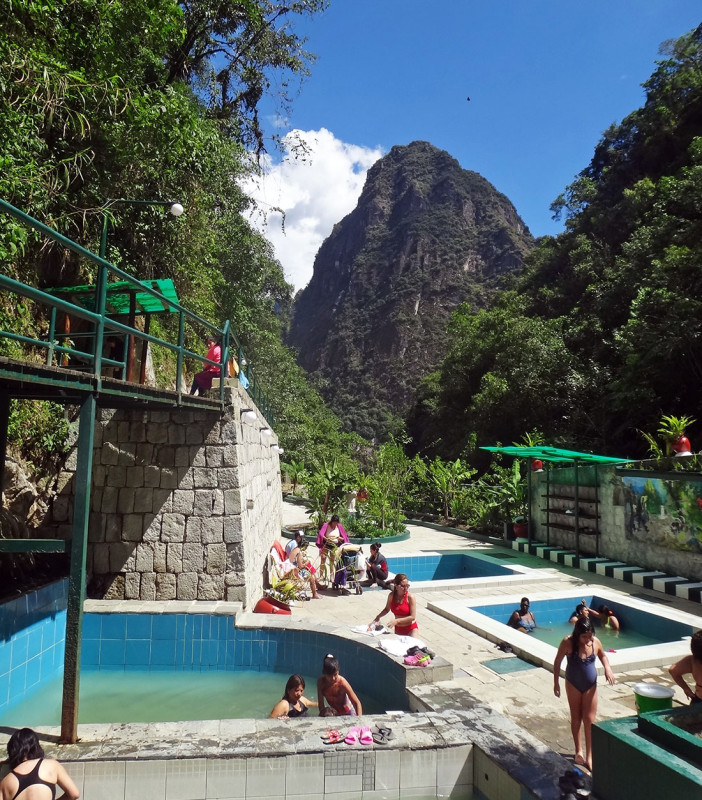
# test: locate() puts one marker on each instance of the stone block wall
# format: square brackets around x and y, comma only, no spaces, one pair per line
[184,505]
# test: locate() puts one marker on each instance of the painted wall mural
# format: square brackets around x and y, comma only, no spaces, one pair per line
[667,513]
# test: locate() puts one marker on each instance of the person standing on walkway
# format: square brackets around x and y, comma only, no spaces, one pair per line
[30,770]
[581,649]
[690,665]
[403,605]
[330,536]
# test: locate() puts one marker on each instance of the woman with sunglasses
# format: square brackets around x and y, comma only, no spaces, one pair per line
[403,605]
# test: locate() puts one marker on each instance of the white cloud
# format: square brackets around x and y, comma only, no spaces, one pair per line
[315,194]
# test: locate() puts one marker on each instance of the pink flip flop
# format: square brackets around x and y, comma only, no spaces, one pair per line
[366,736]
[352,736]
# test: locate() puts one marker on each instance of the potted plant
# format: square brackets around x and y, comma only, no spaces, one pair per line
[510,497]
[672,430]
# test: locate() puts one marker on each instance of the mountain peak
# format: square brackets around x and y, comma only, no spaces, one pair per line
[425,236]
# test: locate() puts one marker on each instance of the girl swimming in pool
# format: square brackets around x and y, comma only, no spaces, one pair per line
[293,704]
[580,649]
[336,691]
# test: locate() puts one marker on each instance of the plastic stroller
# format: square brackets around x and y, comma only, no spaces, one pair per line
[346,575]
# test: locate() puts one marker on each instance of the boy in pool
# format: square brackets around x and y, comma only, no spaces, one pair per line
[690,665]
[336,691]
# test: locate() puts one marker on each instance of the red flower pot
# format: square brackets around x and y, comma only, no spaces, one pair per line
[681,446]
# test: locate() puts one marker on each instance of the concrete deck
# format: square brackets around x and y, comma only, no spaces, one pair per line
[524,697]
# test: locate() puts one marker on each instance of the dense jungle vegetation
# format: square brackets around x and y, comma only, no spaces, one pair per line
[602,333]
[152,99]
[598,337]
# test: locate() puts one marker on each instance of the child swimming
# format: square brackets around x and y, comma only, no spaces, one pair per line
[336,691]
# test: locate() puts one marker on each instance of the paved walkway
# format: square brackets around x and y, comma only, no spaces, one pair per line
[525,697]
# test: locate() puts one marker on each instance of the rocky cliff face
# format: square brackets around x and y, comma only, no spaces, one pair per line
[425,236]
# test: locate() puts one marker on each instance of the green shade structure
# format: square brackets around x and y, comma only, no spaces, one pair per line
[119,296]
[563,457]
[556,454]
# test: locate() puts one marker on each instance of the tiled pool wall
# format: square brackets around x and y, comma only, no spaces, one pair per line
[561,609]
[123,641]
[33,643]
[270,759]
[446,566]
[32,640]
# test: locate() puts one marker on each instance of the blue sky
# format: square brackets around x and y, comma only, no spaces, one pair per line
[544,78]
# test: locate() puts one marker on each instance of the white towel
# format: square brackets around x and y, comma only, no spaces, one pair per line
[400,645]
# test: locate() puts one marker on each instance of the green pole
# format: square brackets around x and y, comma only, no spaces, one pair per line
[529,487]
[4,422]
[76,581]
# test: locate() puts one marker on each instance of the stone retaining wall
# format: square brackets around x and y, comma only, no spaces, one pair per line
[185,504]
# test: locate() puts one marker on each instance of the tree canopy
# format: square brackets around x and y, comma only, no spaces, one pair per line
[147,99]
[603,335]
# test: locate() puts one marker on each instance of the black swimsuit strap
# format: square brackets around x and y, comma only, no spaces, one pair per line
[31,778]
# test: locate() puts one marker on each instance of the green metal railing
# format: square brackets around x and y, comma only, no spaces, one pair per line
[103,326]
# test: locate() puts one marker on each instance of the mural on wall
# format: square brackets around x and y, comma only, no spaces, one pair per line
[667,513]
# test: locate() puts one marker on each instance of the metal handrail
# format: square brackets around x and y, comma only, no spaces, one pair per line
[104,325]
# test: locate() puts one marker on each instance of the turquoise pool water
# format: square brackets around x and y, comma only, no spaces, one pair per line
[638,628]
[163,696]
[170,667]
[447,566]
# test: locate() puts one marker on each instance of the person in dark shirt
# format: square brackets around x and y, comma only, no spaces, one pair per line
[376,566]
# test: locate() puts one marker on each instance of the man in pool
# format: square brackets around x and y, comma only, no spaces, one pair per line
[690,665]
[522,619]
[582,611]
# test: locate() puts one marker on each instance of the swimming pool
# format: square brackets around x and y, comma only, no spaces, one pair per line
[659,635]
[638,628]
[199,654]
[433,570]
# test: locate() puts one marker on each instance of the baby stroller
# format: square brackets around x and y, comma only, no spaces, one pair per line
[346,574]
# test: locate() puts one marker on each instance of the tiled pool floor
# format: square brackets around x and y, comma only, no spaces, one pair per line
[525,697]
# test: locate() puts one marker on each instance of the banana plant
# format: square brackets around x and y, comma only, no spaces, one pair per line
[447,478]
[297,472]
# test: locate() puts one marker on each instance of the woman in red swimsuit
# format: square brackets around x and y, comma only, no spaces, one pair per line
[30,768]
[403,605]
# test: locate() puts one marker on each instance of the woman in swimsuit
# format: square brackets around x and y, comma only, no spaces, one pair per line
[336,691]
[580,649]
[30,769]
[293,704]
[522,619]
[403,605]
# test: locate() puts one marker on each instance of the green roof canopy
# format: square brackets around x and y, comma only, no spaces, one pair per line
[556,454]
[118,296]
